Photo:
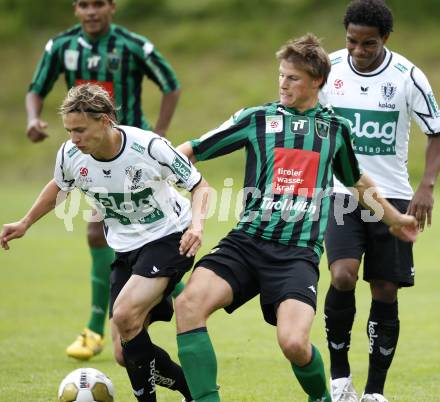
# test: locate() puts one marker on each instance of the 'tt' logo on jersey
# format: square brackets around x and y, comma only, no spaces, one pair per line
[300,125]
[93,62]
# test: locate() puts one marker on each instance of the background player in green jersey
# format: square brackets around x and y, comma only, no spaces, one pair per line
[379,91]
[101,52]
[293,147]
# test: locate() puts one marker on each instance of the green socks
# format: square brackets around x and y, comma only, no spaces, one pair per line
[102,258]
[199,364]
[312,378]
[178,289]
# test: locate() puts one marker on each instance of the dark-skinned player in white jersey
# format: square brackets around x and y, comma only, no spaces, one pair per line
[379,92]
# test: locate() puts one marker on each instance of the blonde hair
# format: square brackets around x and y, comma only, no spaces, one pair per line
[307,53]
[90,99]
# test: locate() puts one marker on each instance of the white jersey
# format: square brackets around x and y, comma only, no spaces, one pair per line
[379,106]
[134,191]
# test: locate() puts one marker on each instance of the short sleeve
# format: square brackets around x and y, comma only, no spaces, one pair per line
[158,69]
[424,107]
[345,164]
[228,137]
[47,71]
[173,164]
[62,175]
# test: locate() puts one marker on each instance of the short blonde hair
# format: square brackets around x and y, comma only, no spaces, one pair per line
[307,53]
[90,99]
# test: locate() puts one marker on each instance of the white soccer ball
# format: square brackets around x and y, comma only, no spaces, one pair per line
[86,385]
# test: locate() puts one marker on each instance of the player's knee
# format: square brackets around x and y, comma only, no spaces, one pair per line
[121,317]
[295,348]
[127,323]
[188,307]
[343,278]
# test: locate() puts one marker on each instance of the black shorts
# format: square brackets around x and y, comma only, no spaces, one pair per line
[159,258]
[254,266]
[385,256]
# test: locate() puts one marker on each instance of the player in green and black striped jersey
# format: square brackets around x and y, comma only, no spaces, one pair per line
[100,52]
[291,158]
[110,55]
[293,147]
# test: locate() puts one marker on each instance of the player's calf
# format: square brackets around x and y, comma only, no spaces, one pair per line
[139,357]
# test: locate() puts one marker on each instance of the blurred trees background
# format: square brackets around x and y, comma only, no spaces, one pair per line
[19,15]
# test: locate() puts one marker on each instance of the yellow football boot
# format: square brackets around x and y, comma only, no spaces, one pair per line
[86,345]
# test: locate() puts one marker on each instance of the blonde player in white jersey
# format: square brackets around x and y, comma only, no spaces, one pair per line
[154,230]
[379,92]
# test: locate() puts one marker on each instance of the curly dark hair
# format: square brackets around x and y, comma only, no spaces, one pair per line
[372,13]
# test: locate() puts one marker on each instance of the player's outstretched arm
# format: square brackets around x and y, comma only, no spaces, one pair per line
[422,202]
[35,126]
[187,149]
[167,108]
[192,238]
[45,202]
[404,227]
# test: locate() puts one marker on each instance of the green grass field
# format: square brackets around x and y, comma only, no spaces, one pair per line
[44,302]
[223,64]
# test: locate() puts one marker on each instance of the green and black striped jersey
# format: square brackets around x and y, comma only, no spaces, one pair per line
[290,161]
[117,61]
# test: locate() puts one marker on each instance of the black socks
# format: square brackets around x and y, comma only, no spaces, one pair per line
[383,332]
[340,309]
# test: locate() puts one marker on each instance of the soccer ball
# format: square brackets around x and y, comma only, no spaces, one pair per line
[86,385]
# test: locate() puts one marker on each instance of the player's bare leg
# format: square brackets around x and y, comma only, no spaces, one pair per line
[294,322]
[204,293]
[145,362]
